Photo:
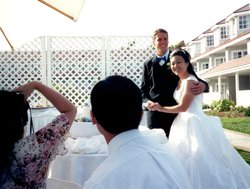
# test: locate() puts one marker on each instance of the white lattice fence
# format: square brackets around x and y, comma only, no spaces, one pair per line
[23,65]
[126,55]
[73,65]
[76,64]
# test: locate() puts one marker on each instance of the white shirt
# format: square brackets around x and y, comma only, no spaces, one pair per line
[162,62]
[166,55]
[137,161]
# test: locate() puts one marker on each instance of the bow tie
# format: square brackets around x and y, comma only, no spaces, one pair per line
[161,60]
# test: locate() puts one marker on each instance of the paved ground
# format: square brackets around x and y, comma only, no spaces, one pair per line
[238,140]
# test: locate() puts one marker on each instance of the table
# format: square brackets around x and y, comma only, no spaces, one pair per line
[87,149]
[72,166]
[75,167]
[91,151]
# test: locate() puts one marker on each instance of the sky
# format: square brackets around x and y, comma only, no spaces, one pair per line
[24,20]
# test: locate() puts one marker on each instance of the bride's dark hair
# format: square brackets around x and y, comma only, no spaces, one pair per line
[187,57]
[13,117]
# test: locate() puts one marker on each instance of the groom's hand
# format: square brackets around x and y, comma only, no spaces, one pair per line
[150,105]
[197,88]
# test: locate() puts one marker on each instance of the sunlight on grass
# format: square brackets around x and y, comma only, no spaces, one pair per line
[241,124]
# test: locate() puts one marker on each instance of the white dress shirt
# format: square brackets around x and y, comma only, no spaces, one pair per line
[137,161]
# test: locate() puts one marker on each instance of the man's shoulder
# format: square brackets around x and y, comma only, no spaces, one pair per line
[150,60]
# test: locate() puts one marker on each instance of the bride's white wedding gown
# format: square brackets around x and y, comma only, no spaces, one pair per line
[199,143]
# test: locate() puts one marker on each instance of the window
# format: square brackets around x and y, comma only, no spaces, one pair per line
[239,54]
[224,32]
[210,40]
[244,22]
[204,66]
[198,48]
[219,60]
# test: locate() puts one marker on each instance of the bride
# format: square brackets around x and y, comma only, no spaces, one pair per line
[198,140]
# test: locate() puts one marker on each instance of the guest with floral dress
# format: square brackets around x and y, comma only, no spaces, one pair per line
[24,161]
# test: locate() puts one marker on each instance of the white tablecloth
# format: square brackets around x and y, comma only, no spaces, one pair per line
[75,167]
[87,149]
[86,153]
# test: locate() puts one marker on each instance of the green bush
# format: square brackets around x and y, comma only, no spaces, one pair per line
[205,106]
[222,105]
[240,109]
[244,110]
[247,111]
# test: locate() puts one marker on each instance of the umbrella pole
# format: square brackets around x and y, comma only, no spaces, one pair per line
[12,48]
[56,9]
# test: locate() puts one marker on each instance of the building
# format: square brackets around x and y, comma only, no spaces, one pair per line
[221,56]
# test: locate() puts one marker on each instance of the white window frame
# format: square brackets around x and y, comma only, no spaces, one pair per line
[224,32]
[239,54]
[204,66]
[210,40]
[219,60]
[244,21]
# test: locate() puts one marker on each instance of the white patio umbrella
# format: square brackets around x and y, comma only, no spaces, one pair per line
[3,38]
[23,20]
[69,8]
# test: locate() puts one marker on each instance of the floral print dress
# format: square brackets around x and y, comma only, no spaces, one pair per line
[32,155]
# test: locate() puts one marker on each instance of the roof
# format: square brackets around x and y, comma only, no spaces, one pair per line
[242,9]
[231,66]
[245,33]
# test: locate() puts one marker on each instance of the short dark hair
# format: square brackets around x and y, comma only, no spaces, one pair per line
[117,104]
[160,30]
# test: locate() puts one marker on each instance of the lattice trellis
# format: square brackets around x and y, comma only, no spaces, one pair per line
[76,65]
[73,65]
[23,65]
[126,56]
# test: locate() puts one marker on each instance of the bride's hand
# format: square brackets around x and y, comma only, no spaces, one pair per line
[156,107]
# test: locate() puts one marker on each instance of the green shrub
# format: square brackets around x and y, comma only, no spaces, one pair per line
[240,109]
[205,106]
[247,111]
[222,105]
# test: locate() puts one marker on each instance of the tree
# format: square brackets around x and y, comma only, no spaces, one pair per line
[177,45]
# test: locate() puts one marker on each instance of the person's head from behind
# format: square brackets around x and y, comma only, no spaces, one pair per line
[14,117]
[116,104]
[180,62]
[160,41]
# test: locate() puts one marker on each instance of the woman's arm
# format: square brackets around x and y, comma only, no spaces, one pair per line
[185,101]
[61,103]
